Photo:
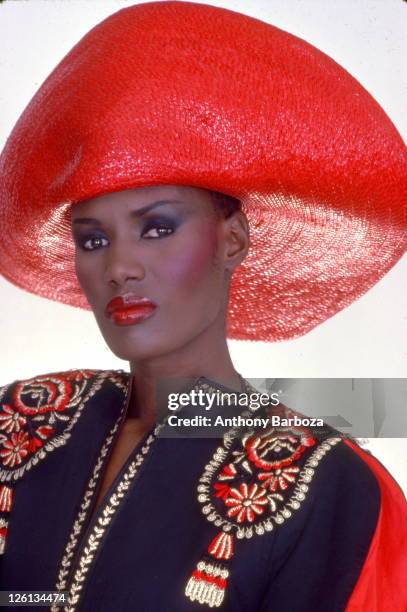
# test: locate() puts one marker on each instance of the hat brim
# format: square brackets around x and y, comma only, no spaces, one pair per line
[188,94]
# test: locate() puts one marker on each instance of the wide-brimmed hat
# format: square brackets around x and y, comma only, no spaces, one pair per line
[180,93]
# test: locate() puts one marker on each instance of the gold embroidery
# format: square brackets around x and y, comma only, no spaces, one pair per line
[78,400]
[281,514]
[3,533]
[95,537]
[6,497]
[230,476]
[86,502]
[213,595]
[3,390]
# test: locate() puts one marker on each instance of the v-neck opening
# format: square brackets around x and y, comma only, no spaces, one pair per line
[92,525]
[94,515]
[91,516]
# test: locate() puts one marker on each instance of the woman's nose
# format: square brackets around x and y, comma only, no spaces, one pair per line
[122,265]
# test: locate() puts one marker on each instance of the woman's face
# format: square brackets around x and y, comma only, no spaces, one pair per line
[154,264]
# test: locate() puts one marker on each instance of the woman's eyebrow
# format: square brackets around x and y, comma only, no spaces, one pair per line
[141,211]
[135,213]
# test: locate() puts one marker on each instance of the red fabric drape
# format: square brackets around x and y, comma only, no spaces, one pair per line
[382,584]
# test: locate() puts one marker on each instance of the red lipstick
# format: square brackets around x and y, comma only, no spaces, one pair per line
[129,309]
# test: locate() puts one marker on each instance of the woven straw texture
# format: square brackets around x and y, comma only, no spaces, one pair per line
[189,94]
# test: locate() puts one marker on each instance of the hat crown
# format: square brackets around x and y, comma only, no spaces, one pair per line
[191,94]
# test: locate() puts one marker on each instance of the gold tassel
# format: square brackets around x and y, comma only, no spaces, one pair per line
[208,582]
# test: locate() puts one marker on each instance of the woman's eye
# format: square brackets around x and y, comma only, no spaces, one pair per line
[96,242]
[158,231]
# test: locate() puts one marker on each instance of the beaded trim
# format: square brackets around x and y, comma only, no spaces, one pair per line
[3,533]
[95,537]
[3,390]
[297,497]
[251,475]
[30,421]
[73,540]
[79,399]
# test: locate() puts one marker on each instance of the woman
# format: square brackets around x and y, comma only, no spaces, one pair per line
[375,59]
[133,153]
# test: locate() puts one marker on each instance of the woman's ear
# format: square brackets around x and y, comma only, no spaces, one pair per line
[236,239]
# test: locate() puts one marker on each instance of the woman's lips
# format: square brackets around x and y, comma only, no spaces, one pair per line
[129,309]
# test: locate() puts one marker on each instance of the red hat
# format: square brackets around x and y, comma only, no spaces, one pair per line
[189,94]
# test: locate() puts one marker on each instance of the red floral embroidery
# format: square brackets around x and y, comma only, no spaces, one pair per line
[279,478]
[15,449]
[221,546]
[247,501]
[263,466]
[80,375]
[6,498]
[228,472]
[39,412]
[42,394]
[45,431]
[3,534]
[269,451]
[221,490]
[11,420]
[34,445]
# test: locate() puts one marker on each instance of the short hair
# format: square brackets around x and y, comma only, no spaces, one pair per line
[224,204]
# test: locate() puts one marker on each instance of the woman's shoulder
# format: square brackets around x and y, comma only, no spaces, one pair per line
[315,499]
[346,469]
[38,414]
[64,379]
[330,458]
[273,476]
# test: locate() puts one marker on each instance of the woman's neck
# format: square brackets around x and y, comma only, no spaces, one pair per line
[154,379]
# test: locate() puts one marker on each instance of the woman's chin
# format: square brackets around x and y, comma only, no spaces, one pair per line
[139,349]
[149,341]
[133,353]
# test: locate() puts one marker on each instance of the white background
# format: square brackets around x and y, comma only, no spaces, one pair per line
[367,339]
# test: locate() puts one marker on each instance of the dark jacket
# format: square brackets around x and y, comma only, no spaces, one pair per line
[275,520]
